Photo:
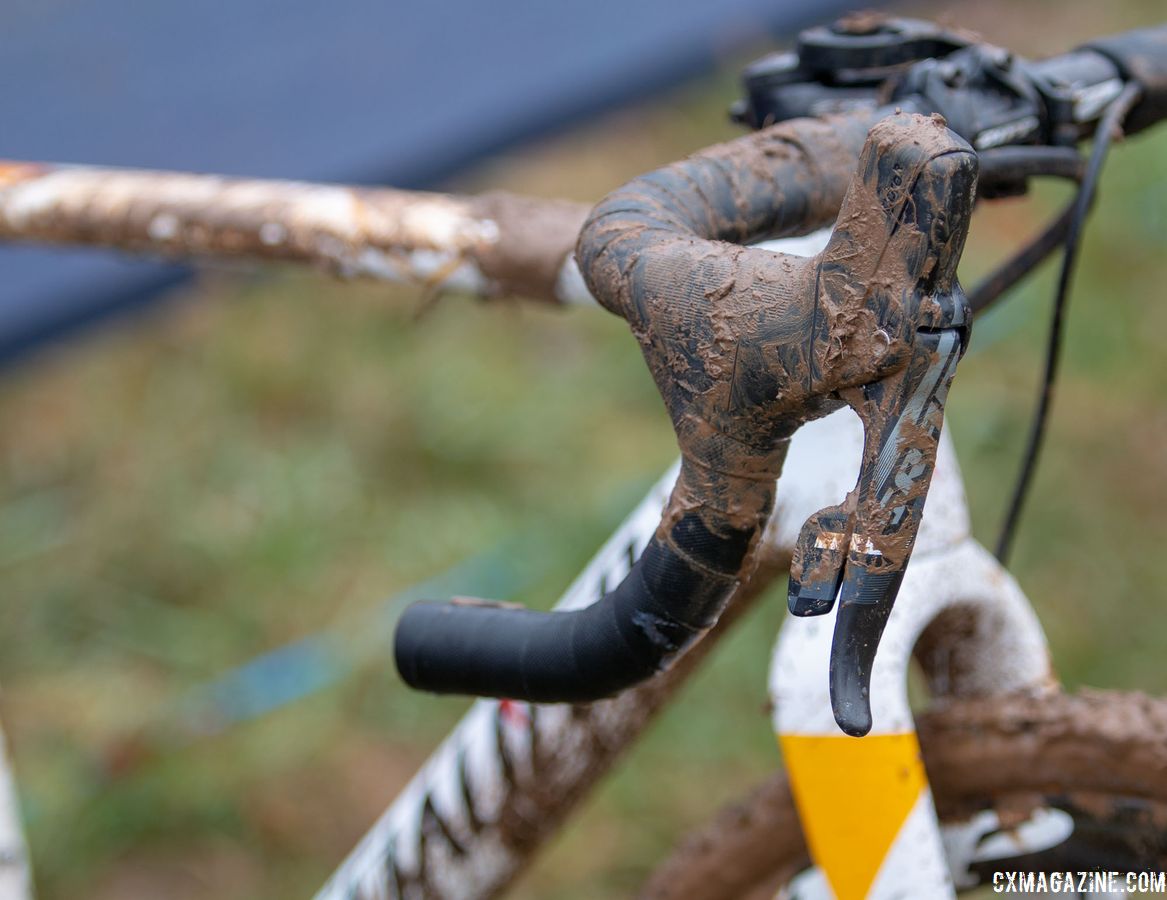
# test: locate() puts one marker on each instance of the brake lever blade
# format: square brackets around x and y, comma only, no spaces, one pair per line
[888,275]
[902,417]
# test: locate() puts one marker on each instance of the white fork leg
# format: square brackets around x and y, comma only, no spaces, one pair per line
[865,803]
[15,880]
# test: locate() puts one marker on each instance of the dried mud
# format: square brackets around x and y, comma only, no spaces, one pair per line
[744,344]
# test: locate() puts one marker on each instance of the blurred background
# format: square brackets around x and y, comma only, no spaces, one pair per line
[262,470]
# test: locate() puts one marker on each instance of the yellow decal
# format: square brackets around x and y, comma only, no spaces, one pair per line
[853,795]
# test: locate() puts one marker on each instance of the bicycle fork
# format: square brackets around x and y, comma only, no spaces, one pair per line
[865,805]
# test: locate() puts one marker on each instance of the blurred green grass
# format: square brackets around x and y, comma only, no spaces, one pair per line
[267,456]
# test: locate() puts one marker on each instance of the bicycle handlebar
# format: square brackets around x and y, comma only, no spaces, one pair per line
[1141,58]
[746,345]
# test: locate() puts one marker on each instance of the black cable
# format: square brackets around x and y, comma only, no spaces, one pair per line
[1107,126]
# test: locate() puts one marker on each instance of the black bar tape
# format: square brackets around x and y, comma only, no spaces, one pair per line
[657,611]
[1141,56]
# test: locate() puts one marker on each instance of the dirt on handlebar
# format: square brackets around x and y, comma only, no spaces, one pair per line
[492,244]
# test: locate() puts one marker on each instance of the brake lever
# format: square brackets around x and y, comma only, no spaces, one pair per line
[858,550]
